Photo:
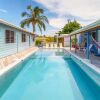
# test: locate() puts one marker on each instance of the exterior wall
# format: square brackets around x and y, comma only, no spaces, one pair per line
[66,41]
[22,45]
[6,48]
[32,43]
[11,48]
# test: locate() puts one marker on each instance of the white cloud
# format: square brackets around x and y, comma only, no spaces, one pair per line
[57,22]
[51,32]
[84,9]
[3,10]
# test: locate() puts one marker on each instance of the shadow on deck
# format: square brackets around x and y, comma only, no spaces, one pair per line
[95,60]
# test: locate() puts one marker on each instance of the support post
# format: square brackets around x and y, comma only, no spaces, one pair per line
[88,44]
[97,34]
[29,41]
[70,42]
[75,42]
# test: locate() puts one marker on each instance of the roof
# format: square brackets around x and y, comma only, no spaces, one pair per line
[13,26]
[87,28]
[63,35]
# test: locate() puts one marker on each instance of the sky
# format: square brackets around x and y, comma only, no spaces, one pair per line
[57,11]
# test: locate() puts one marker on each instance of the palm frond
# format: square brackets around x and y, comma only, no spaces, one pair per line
[38,10]
[25,22]
[44,27]
[25,14]
[30,8]
[44,18]
[42,24]
[40,28]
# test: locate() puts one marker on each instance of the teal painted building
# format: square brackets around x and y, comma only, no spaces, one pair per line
[14,39]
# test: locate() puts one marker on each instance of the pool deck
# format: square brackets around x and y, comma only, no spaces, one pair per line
[27,54]
[93,59]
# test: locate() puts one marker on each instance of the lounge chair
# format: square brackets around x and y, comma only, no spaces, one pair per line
[60,45]
[55,45]
[51,45]
[47,45]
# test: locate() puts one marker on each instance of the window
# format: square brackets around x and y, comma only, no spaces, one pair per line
[12,37]
[9,36]
[23,37]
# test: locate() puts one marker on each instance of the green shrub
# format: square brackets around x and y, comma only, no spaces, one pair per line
[37,42]
[74,40]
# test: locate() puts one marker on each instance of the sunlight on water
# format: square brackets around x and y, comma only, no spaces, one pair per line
[48,75]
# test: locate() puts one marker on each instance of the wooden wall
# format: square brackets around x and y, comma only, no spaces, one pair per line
[11,48]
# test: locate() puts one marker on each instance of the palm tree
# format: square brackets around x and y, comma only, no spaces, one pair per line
[35,17]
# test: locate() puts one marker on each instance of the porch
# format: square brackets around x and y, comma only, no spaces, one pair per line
[95,60]
[92,37]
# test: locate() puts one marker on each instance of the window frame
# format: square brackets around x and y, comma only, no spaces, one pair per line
[23,37]
[9,36]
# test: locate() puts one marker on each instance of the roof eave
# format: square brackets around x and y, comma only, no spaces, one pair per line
[16,27]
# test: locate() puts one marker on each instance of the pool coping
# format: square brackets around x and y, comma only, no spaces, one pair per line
[88,67]
[85,61]
[2,71]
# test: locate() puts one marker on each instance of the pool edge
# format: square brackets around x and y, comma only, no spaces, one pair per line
[17,62]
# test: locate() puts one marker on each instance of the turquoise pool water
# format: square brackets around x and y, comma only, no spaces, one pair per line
[48,75]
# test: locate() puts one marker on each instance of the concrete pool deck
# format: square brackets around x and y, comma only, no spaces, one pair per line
[93,59]
[21,57]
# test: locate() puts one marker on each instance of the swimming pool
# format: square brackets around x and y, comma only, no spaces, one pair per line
[48,74]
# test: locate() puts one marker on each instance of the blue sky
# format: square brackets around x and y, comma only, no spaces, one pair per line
[57,11]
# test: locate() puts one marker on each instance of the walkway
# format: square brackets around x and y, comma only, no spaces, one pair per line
[94,59]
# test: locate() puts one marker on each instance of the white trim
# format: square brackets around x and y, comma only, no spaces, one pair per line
[86,28]
[13,26]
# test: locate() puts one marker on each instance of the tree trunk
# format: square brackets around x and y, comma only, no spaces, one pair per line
[33,27]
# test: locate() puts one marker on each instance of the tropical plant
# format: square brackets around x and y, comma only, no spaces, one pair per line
[35,17]
[74,40]
[37,42]
[70,27]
